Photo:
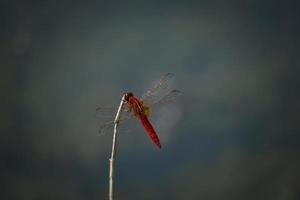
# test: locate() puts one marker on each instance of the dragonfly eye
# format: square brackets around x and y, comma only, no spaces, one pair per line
[128,95]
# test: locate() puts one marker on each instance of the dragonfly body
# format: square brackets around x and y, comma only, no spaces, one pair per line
[141,111]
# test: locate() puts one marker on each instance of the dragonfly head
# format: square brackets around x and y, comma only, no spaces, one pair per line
[128,95]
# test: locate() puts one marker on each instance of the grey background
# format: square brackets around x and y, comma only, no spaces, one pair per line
[233,134]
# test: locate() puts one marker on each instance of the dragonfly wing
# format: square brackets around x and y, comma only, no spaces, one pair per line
[110,112]
[167,98]
[105,112]
[107,116]
[105,127]
[160,87]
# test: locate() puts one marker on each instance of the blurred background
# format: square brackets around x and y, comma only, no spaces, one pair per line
[233,134]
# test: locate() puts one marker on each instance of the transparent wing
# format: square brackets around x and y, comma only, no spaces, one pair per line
[106,115]
[110,112]
[159,88]
[105,112]
[167,98]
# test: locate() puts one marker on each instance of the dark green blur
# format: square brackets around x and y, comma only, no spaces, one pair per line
[237,128]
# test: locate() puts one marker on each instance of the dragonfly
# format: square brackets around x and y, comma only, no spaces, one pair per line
[140,108]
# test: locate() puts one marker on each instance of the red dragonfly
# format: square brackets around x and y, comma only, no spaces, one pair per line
[140,108]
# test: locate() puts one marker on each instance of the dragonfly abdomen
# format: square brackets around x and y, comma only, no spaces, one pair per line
[150,130]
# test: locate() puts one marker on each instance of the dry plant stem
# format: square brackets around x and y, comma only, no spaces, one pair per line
[113,151]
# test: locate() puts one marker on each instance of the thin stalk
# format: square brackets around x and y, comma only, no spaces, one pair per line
[113,150]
